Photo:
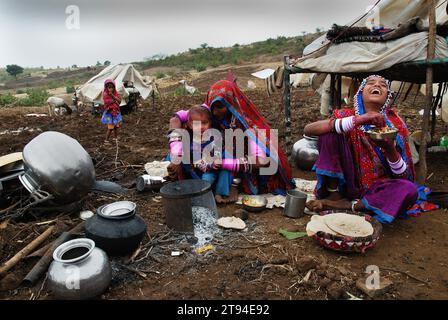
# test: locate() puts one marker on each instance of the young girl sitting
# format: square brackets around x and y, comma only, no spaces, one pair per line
[111,115]
[198,119]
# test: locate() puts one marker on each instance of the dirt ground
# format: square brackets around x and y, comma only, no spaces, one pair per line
[255,264]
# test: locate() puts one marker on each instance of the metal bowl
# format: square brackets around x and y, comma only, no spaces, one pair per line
[374,134]
[254,203]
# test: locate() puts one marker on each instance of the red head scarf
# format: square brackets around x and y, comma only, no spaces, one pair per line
[247,116]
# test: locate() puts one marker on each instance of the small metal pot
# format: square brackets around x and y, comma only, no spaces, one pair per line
[305,152]
[295,203]
[79,270]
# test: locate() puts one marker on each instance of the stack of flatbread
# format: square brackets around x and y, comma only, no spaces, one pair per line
[340,224]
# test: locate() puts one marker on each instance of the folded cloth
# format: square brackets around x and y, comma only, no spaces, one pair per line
[275,81]
[157,168]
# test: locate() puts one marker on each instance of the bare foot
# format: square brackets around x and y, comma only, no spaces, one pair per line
[232,198]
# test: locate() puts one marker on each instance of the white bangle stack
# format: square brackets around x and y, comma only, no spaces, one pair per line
[398,167]
[345,124]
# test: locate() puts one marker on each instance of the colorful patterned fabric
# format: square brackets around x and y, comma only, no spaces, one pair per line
[372,179]
[108,119]
[109,104]
[335,161]
[369,161]
[244,115]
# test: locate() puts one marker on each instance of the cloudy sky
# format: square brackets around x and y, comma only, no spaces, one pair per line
[35,32]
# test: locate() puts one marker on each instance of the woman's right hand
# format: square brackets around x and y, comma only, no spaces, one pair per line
[373,118]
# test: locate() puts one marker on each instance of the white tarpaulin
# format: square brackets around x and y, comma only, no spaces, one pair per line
[374,56]
[263,74]
[92,90]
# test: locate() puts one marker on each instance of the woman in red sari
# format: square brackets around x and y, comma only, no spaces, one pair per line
[232,109]
[354,172]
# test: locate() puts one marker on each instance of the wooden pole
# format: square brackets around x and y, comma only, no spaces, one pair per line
[423,169]
[25,251]
[287,105]
[332,93]
[42,265]
[339,91]
[433,111]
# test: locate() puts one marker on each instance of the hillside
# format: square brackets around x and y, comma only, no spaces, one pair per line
[195,60]
[205,56]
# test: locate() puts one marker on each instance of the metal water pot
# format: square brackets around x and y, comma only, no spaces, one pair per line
[80,270]
[116,228]
[59,165]
[305,153]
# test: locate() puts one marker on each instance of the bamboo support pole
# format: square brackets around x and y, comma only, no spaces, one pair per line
[423,169]
[25,251]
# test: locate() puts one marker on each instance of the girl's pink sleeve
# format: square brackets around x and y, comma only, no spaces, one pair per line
[182,115]
[256,150]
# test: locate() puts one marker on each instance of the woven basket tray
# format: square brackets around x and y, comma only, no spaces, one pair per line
[346,243]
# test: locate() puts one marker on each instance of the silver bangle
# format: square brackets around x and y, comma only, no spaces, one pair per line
[354,203]
[332,190]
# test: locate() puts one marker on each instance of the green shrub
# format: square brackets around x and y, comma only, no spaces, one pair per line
[20,91]
[7,99]
[159,75]
[53,85]
[35,97]
[200,67]
[181,91]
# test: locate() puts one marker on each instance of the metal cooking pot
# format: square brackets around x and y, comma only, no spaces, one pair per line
[79,270]
[305,153]
[59,165]
[116,228]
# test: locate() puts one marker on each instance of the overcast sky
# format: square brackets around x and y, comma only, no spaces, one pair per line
[34,32]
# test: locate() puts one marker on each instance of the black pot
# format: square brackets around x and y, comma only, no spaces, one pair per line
[117,234]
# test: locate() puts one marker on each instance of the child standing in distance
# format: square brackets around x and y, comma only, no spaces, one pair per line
[111,115]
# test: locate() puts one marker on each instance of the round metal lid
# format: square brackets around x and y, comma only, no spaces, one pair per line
[117,210]
[185,189]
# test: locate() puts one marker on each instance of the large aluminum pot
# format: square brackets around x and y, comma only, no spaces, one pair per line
[79,270]
[305,153]
[58,165]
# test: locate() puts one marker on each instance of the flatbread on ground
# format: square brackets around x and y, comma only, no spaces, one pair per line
[317,224]
[348,224]
[231,223]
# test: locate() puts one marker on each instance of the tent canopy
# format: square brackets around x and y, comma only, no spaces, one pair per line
[400,59]
[92,90]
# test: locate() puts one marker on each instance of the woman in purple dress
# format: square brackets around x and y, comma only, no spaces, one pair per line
[357,173]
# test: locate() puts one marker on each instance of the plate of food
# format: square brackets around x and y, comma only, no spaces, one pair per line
[254,203]
[381,134]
